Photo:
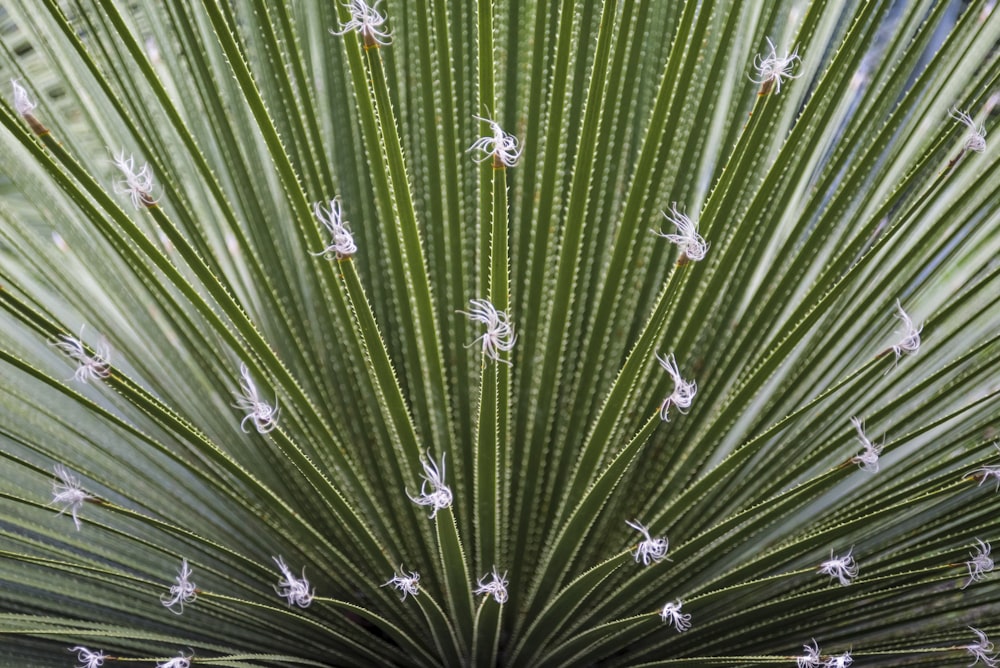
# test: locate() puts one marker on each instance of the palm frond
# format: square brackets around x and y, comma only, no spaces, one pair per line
[510,332]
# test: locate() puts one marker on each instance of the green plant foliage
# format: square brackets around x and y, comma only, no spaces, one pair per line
[499,332]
